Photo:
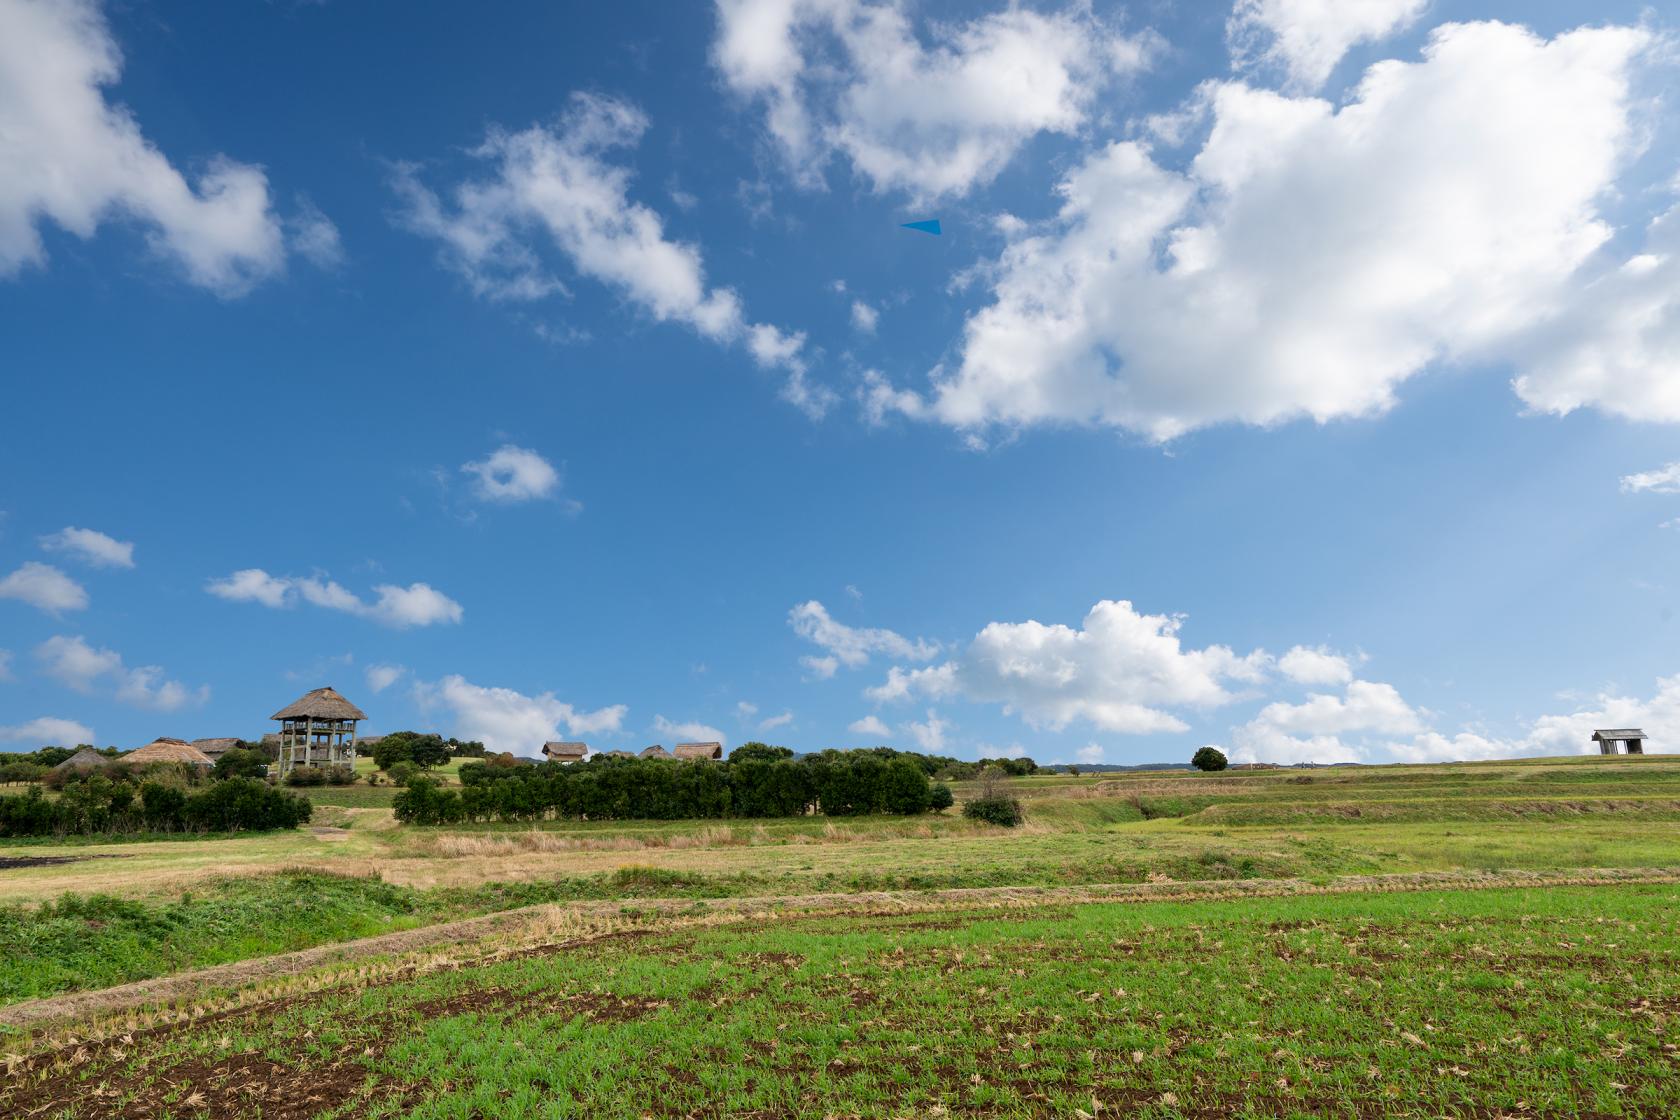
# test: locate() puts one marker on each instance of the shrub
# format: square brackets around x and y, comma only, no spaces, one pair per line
[307,776]
[939,798]
[238,763]
[402,772]
[1005,811]
[1209,758]
[341,775]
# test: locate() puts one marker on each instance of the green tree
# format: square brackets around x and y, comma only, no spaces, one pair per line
[904,788]
[238,763]
[760,752]
[394,748]
[428,751]
[1209,758]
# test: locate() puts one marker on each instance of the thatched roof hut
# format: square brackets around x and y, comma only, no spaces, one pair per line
[167,750]
[621,754]
[215,748]
[83,761]
[655,751]
[321,703]
[698,751]
[565,752]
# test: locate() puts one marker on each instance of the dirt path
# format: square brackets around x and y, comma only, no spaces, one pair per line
[536,925]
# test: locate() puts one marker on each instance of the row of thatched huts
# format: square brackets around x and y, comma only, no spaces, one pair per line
[201,753]
[693,752]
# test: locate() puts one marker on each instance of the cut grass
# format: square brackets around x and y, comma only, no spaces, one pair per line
[1531,1003]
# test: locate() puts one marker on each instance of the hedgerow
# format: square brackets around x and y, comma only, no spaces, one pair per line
[835,783]
[99,805]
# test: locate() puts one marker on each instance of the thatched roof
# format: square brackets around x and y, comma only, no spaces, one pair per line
[1617,733]
[322,703]
[620,754]
[85,759]
[167,750]
[565,750]
[655,751]
[698,750]
[215,748]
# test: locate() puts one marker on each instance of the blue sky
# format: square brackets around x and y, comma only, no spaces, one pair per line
[1299,381]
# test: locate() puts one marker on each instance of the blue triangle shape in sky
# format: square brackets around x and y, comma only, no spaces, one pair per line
[929,226]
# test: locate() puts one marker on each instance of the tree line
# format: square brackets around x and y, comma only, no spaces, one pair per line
[756,781]
[99,804]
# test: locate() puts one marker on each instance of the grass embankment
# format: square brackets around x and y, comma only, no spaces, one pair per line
[1555,1003]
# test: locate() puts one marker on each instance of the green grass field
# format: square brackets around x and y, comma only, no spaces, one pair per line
[1562,1001]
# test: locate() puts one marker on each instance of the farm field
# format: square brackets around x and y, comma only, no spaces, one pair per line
[1531,1003]
[890,966]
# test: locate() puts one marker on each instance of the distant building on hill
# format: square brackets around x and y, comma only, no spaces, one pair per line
[698,751]
[1620,740]
[167,750]
[565,752]
[655,751]
[215,748]
[85,761]
[318,729]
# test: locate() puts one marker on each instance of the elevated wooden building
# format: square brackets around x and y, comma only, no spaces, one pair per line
[1620,740]
[318,729]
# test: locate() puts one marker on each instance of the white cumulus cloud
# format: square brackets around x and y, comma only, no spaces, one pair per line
[73,662]
[1121,671]
[513,474]
[381,677]
[1308,37]
[864,317]
[91,547]
[1317,665]
[850,646]
[855,78]
[398,607]
[870,725]
[506,720]
[48,731]
[45,587]
[552,189]
[928,735]
[689,731]
[773,722]
[76,159]
[1311,257]
[1316,729]
[1663,480]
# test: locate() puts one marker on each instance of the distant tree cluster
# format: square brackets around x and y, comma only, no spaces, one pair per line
[424,750]
[756,781]
[34,766]
[101,804]
[956,770]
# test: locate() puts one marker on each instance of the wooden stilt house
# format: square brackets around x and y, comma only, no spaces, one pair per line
[318,729]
